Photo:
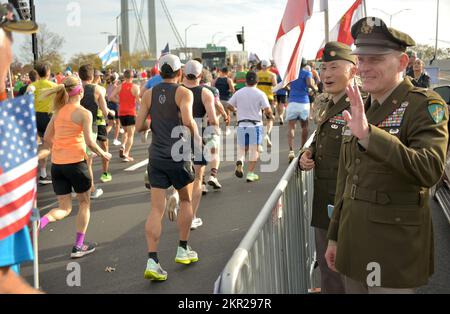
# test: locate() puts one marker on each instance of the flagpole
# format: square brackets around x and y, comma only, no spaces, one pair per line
[327,22]
[365,8]
[11,88]
[35,218]
[120,56]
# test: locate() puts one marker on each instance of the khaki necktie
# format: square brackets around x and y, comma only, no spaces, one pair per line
[330,104]
[373,107]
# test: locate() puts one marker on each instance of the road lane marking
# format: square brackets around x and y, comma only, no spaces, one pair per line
[138,165]
[51,205]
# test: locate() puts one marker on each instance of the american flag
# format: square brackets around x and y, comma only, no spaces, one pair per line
[18,163]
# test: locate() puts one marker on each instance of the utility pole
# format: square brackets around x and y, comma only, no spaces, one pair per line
[241,38]
[34,41]
[119,41]
[437,33]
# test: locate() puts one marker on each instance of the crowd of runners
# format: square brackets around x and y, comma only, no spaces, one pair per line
[79,114]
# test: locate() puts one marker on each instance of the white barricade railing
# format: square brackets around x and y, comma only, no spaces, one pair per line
[277,255]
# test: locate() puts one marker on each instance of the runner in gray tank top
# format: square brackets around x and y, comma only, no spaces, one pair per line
[170,108]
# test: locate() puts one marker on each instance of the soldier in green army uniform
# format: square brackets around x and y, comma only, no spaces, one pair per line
[393,150]
[337,72]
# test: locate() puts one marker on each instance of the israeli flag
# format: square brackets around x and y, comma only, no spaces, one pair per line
[110,53]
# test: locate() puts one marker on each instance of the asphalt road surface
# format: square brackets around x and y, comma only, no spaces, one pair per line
[117,224]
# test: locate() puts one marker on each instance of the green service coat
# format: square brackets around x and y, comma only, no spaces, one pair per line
[382,213]
[325,149]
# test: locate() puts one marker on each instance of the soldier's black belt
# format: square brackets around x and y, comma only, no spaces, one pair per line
[265,84]
[355,192]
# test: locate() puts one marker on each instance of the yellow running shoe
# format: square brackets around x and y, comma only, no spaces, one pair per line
[186,256]
[154,271]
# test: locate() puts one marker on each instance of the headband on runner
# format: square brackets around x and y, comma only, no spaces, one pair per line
[76,91]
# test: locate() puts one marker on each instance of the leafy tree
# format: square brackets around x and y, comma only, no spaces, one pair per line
[426,52]
[85,58]
[49,47]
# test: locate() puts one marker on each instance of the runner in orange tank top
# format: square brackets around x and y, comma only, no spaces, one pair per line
[67,135]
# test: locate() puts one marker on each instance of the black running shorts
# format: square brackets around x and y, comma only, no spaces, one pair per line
[66,177]
[114,107]
[42,121]
[127,120]
[281,99]
[163,174]
[102,135]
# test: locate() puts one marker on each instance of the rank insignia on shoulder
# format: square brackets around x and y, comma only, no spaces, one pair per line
[436,111]
[405,104]
[394,131]
[334,126]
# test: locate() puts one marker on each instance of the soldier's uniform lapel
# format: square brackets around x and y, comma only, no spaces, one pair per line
[333,110]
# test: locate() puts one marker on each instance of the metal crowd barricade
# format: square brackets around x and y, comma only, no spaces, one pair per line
[277,255]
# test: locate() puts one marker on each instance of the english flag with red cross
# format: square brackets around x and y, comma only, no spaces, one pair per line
[289,46]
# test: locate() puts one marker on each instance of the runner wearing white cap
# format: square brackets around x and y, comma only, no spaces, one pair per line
[203,105]
[170,164]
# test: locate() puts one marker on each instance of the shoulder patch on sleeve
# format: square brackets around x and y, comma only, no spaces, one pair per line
[423,91]
[436,110]
[436,101]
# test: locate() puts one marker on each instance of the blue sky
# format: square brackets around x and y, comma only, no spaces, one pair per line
[223,19]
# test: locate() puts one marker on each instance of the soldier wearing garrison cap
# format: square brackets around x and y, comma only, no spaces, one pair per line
[393,150]
[337,72]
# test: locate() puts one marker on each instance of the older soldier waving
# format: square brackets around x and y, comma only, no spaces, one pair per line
[393,151]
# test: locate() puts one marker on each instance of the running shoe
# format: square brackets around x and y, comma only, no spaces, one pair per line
[172,206]
[214,183]
[186,256]
[252,177]
[154,271]
[128,159]
[121,155]
[260,148]
[86,249]
[281,120]
[239,172]
[204,189]
[291,156]
[269,142]
[121,131]
[228,132]
[196,222]
[117,143]
[45,181]
[96,194]
[106,177]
